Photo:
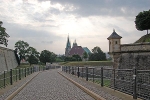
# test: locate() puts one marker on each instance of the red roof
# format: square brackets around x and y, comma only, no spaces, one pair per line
[76,50]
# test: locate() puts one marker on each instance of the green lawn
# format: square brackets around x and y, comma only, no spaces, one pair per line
[87,63]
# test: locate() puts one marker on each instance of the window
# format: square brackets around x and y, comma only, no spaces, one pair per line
[116,42]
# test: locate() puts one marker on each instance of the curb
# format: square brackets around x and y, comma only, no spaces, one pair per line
[10,97]
[92,94]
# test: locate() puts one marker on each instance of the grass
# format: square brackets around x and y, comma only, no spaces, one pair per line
[87,63]
[145,38]
[107,82]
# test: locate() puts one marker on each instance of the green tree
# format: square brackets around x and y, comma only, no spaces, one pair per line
[142,21]
[77,57]
[47,56]
[3,35]
[22,47]
[97,54]
[32,59]
[85,55]
[32,55]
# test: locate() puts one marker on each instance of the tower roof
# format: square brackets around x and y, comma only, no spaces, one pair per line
[68,43]
[114,35]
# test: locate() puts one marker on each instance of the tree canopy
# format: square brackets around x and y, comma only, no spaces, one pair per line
[3,35]
[97,54]
[142,21]
[47,56]
[32,55]
[22,47]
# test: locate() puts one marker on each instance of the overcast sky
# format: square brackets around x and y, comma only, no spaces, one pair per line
[45,24]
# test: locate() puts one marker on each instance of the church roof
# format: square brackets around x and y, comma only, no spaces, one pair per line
[114,35]
[68,43]
[86,50]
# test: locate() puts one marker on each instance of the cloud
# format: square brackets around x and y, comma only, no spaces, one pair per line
[105,7]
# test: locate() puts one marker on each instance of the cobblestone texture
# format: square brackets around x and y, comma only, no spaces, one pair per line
[49,85]
[5,95]
[92,87]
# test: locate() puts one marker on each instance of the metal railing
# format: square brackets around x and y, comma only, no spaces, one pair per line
[131,81]
[9,77]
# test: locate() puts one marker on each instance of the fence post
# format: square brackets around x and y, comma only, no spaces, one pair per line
[16,75]
[102,83]
[11,81]
[25,72]
[93,74]
[135,83]
[86,73]
[82,72]
[78,72]
[19,74]
[4,79]
[114,78]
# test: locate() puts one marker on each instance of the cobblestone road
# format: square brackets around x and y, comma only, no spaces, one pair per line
[92,87]
[49,85]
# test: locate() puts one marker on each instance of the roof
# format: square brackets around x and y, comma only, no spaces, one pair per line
[86,50]
[114,35]
[68,45]
[76,50]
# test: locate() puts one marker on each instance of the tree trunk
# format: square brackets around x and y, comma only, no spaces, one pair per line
[147,31]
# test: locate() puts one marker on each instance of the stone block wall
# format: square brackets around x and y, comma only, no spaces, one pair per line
[7,59]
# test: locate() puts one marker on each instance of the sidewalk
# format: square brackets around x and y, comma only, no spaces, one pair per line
[107,93]
[49,85]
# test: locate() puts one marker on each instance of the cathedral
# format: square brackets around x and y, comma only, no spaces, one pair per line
[75,49]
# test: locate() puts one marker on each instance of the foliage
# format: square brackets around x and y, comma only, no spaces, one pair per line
[77,57]
[73,58]
[97,54]
[85,55]
[3,35]
[32,59]
[16,55]
[22,47]
[32,55]
[142,21]
[47,56]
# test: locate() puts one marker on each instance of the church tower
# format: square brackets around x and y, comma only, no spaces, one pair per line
[68,47]
[75,43]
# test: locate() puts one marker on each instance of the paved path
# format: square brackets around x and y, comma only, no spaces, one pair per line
[49,85]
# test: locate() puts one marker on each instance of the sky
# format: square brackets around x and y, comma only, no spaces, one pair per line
[46,24]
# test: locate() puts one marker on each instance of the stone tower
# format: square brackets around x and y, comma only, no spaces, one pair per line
[68,47]
[114,47]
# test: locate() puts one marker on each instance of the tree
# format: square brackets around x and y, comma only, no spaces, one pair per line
[32,55]
[3,35]
[77,57]
[97,54]
[32,59]
[142,21]
[47,56]
[85,55]
[22,47]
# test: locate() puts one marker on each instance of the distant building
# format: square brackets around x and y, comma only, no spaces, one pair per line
[75,50]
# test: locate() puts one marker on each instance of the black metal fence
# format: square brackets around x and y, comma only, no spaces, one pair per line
[9,77]
[131,81]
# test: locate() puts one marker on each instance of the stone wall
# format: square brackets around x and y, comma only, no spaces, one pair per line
[7,59]
[132,55]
